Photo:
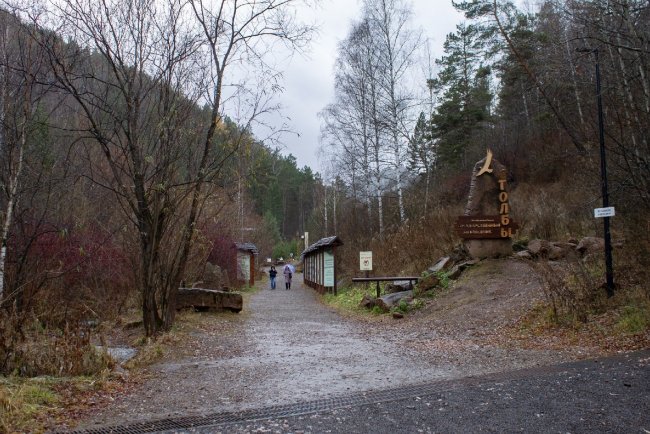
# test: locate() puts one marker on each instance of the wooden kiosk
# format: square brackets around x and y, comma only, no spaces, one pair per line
[246,253]
[319,264]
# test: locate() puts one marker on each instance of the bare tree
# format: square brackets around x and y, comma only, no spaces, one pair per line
[139,71]
[396,45]
[353,127]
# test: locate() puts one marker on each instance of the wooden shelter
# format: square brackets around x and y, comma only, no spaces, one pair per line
[319,264]
[245,259]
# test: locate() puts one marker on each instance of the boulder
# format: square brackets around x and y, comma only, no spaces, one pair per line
[388,301]
[398,315]
[460,253]
[442,264]
[488,248]
[555,253]
[208,299]
[428,282]
[367,301]
[524,254]
[539,247]
[458,269]
[560,250]
[455,272]
[391,288]
[590,245]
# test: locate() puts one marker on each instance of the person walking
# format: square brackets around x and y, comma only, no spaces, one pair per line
[287,276]
[272,274]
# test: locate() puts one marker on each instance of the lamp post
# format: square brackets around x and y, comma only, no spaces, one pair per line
[603,176]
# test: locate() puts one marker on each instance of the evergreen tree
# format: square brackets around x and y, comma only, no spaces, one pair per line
[464,85]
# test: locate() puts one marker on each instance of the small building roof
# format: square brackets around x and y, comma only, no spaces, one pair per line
[322,243]
[247,247]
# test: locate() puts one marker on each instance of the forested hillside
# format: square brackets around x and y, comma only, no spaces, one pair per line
[521,83]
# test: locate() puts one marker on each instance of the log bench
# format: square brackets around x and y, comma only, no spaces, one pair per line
[410,279]
[208,299]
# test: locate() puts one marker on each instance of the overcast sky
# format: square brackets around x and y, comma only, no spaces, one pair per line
[309,82]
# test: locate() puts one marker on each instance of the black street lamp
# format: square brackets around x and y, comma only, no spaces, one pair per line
[603,176]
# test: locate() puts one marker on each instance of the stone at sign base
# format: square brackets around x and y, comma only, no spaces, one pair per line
[489,248]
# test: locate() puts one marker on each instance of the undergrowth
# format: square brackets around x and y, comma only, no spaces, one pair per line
[347,299]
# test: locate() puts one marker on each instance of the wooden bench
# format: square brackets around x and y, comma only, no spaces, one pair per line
[410,279]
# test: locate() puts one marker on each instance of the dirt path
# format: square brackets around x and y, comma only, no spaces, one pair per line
[287,347]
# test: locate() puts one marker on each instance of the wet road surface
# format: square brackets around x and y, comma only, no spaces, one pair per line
[301,367]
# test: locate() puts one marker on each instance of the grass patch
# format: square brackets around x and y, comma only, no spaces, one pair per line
[23,402]
[38,404]
[634,319]
[346,298]
[347,301]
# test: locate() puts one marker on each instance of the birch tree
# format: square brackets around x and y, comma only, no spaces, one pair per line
[353,126]
[23,70]
[396,45]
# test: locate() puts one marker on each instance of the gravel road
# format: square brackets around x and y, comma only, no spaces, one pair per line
[287,348]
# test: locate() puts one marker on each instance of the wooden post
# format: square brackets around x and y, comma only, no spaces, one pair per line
[334,253]
[252,270]
[378,294]
[322,270]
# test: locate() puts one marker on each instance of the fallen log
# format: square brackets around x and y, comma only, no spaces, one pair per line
[208,299]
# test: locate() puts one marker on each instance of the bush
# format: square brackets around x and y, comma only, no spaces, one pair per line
[573,289]
[28,348]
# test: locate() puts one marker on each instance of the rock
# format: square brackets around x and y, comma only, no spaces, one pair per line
[590,245]
[539,247]
[568,246]
[398,315]
[555,253]
[524,254]
[469,263]
[460,253]
[455,272]
[208,299]
[367,301]
[560,250]
[442,264]
[488,248]
[391,288]
[390,300]
[428,282]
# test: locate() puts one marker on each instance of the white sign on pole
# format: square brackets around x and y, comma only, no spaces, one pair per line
[365,261]
[604,212]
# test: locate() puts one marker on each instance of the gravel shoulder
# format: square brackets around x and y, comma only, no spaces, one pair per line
[287,347]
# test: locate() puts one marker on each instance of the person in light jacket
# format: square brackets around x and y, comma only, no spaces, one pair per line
[287,276]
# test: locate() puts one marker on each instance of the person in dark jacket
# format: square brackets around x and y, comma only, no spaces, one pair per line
[272,274]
